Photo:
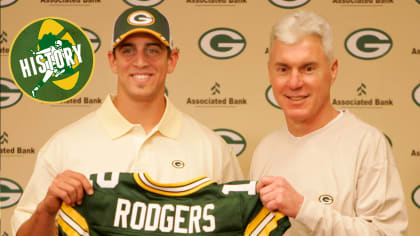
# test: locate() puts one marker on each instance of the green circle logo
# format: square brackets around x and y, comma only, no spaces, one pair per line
[368,43]
[51,60]
[222,43]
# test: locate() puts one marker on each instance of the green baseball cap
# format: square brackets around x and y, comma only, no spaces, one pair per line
[142,19]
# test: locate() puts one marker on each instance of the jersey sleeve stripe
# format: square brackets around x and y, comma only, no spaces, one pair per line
[65,228]
[69,214]
[70,227]
[263,223]
[173,190]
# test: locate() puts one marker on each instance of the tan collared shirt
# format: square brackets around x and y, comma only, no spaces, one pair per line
[176,150]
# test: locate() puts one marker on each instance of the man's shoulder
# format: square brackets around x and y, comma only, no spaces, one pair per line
[81,126]
[354,124]
[274,137]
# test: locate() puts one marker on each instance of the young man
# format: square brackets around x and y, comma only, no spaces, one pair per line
[331,173]
[138,130]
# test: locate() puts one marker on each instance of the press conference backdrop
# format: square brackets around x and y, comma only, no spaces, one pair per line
[377,43]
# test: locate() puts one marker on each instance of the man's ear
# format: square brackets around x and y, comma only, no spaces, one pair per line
[172,60]
[334,70]
[112,62]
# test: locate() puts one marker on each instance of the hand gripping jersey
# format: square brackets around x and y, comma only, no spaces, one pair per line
[133,204]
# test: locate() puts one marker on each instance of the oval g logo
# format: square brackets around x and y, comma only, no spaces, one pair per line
[6,3]
[178,164]
[289,3]
[94,39]
[9,93]
[270,97]
[234,139]
[222,43]
[368,44]
[415,196]
[416,94]
[10,193]
[144,3]
[326,199]
[141,18]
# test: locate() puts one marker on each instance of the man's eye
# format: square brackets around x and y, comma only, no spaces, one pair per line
[153,51]
[127,51]
[281,69]
[309,68]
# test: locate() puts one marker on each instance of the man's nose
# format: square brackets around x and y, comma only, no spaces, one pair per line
[140,59]
[295,80]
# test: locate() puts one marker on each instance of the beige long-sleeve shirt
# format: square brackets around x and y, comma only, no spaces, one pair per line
[346,173]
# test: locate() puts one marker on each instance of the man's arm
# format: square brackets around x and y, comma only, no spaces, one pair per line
[68,187]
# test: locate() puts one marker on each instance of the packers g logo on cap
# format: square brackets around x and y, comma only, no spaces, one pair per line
[51,60]
[143,18]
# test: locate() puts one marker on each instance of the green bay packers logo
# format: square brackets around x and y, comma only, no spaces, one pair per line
[10,193]
[234,139]
[289,3]
[269,95]
[416,95]
[415,196]
[178,164]
[368,44]
[94,39]
[6,3]
[145,3]
[222,43]
[326,199]
[9,93]
[143,18]
[51,60]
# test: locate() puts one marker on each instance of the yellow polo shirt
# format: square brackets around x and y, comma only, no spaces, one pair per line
[176,150]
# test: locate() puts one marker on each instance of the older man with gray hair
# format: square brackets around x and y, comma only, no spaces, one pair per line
[330,172]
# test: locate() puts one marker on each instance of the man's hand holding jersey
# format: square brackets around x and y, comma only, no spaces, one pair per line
[278,195]
[68,187]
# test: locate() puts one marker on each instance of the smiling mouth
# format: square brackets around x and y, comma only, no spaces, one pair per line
[141,77]
[296,98]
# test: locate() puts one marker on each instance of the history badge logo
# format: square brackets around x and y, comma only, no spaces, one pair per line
[51,60]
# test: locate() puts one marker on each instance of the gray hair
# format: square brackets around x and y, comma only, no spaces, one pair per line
[293,27]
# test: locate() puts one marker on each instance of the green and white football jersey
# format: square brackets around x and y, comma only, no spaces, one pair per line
[134,204]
